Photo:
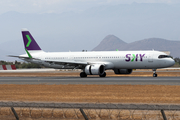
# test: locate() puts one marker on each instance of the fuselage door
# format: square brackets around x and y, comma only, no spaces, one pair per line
[98,57]
[150,57]
[71,58]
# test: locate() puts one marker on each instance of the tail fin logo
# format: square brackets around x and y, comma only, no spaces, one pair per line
[29,41]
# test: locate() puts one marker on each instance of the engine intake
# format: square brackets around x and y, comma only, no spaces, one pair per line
[122,71]
[96,69]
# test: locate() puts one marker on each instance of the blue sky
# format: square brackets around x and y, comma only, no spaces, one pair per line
[59,6]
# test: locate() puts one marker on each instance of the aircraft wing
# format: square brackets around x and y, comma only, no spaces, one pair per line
[69,63]
[75,63]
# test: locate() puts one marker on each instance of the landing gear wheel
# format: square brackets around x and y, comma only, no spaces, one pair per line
[154,75]
[83,74]
[103,75]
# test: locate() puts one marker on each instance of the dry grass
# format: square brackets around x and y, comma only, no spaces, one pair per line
[74,114]
[91,93]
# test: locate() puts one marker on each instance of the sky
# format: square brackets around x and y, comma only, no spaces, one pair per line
[82,24]
[60,6]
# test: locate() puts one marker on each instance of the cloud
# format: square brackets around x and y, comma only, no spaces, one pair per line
[59,6]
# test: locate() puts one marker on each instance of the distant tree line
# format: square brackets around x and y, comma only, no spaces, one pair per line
[177,60]
[27,65]
[21,64]
[5,63]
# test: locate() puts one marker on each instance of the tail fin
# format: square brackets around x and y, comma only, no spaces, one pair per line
[29,42]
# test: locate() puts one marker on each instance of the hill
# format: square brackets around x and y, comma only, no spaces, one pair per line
[111,42]
[82,30]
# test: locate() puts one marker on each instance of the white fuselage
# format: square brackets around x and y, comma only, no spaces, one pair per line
[110,59]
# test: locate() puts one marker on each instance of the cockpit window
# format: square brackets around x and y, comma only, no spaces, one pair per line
[164,56]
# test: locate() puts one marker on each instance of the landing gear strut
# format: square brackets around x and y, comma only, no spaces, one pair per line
[154,73]
[103,75]
[83,74]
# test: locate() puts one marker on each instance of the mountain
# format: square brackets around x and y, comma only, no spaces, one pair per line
[111,43]
[83,30]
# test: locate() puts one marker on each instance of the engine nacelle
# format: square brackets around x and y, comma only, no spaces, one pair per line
[122,71]
[96,69]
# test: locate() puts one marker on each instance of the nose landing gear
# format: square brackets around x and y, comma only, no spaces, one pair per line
[154,73]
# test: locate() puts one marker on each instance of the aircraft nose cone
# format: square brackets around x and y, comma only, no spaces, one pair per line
[172,62]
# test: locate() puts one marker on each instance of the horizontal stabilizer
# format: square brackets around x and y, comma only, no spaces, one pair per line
[22,57]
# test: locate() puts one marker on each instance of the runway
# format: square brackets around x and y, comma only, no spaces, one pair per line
[92,80]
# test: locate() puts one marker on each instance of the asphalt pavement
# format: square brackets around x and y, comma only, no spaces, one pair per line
[92,80]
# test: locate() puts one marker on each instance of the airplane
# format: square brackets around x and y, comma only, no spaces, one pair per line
[94,63]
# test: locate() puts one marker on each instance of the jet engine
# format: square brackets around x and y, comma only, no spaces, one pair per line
[96,69]
[122,71]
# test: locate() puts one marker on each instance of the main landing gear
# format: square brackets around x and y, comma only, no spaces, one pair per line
[103,75]
[154,73]
[83,74]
